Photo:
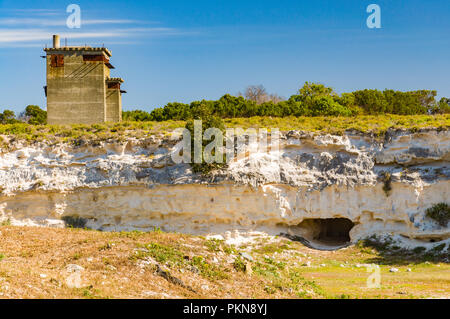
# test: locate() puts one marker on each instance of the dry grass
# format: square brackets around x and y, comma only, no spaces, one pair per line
[376,124]
[34,262]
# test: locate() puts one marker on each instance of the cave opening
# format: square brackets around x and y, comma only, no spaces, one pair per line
[328,231]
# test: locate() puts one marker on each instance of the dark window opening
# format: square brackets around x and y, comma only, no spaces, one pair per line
[57,60]
[114,85]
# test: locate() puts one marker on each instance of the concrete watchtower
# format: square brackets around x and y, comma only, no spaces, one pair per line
[79,87]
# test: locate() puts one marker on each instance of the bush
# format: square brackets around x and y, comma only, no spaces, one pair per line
[74,221]
[136,115]
[208,121]
[440,213]
[36,115]
[8,117]
[239,264]
[387,183]
[371,101]
[325,106]
[443,107]
[313,99]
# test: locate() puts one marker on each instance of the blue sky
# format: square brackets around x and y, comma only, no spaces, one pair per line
[180,50]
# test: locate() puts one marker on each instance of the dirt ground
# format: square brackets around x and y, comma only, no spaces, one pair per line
[40,262]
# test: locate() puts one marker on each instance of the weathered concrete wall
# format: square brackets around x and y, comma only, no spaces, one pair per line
[76,91]
[113,105]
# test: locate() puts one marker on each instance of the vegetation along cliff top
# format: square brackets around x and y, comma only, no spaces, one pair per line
[314,108]
[376,124]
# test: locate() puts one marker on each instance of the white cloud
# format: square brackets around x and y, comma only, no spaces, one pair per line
[38,37]
[61,22]
[28,35]
[28,28]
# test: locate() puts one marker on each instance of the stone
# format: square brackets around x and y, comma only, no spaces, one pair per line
[111,268]
[194,269]
[74,280]
[246,256]
[393,270]
[165,273]
[74,268]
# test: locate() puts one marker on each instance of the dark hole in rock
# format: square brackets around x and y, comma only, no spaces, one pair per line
[328,231]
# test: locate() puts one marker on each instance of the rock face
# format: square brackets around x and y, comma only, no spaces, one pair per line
[379,186]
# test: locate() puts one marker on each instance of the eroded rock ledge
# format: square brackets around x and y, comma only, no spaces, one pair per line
[379,186]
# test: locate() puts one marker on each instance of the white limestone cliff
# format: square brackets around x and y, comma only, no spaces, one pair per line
[135,185]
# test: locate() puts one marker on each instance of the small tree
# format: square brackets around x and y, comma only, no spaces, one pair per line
[36,115]
[208,121]
[256,93]
[8,117]
[443,107]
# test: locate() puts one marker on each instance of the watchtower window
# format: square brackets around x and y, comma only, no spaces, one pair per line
[115,85]
[57,60]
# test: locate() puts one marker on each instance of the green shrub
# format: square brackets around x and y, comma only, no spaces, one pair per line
[323,106]
[239,264]
[387,183]
[312,99]
[443,107]
[419,250]
[439,248]
[36,115]
[74,221]
[440,213]
[208,121]
[137,115]
[8,117]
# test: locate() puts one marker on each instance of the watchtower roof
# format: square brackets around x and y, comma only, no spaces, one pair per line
[114,80]
[78,48]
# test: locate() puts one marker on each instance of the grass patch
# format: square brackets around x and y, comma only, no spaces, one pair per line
[272,248]
[164,254]
[175,258]
[208,270]
[216,245]
[6,223]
